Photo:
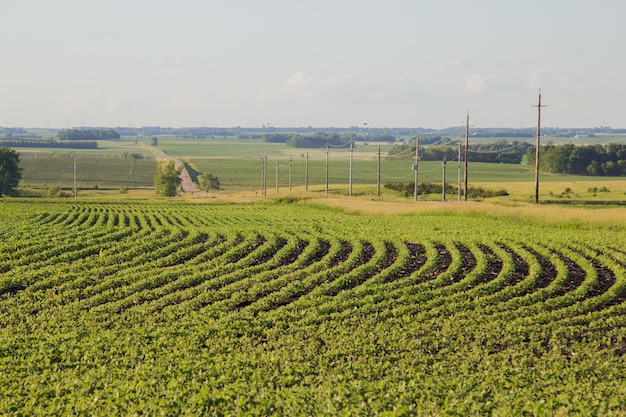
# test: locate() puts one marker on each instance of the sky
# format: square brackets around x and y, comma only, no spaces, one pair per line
[320,63]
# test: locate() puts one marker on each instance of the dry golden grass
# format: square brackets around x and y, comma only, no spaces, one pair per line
[549,189]
[516,207]
[603,218]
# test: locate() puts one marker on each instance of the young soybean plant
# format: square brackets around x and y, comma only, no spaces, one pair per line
[183,308]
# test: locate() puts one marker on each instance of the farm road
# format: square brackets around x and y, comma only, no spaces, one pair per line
[187,184]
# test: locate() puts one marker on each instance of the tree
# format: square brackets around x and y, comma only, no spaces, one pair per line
[167,180]
[88,134]
[207,181]
[10,171]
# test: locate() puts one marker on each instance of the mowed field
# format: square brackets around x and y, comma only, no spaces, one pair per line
[179,308]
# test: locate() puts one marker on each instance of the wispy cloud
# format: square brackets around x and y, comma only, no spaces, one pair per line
[304,87]
[475,84]
[337,88]
[546,76]
[457,63]
[79,101]
[116,100]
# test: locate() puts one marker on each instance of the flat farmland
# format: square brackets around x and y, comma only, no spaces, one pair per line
[237,163]
[122,307]
[91,171]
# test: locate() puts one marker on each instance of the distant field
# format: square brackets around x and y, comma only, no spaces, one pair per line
[235,148]
[237,163]
[41,171]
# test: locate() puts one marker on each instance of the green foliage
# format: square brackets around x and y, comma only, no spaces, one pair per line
[207,181]
[276,137]
[134,155]
[153,308]
[501,151]
[88,134]
[10,171]
[49,144]
[408,189]
[55,191]
[167,180]
[319,140]
[608,160]
[481,192]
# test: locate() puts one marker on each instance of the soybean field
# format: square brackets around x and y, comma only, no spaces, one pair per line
[181,308]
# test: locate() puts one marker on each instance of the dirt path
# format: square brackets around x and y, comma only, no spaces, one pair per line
[187,184]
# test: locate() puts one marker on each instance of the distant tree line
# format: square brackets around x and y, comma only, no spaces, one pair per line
[364,133]
[501,151]
[318,140]
[88,134]
[13,131]
[48,144]
[602,160]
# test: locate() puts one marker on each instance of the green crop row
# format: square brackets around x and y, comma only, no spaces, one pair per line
[226,309]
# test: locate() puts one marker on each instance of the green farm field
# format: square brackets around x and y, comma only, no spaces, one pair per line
[126,307]
[237,163]
[91,171]
[238,166]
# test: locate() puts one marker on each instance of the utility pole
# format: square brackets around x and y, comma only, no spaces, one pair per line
[443,189]
[465,153]
[417,157]
[378,176]
[326,168]
[537,145]
[351,151]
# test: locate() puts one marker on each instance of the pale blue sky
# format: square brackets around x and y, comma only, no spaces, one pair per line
[409,63]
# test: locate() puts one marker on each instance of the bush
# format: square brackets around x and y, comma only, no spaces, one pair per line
[56,192]
[408,189]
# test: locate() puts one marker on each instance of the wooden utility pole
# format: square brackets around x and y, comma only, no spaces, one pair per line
[378,175]
[351,151]
[327,169]
[465,152]
[537,146]
[417,157]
